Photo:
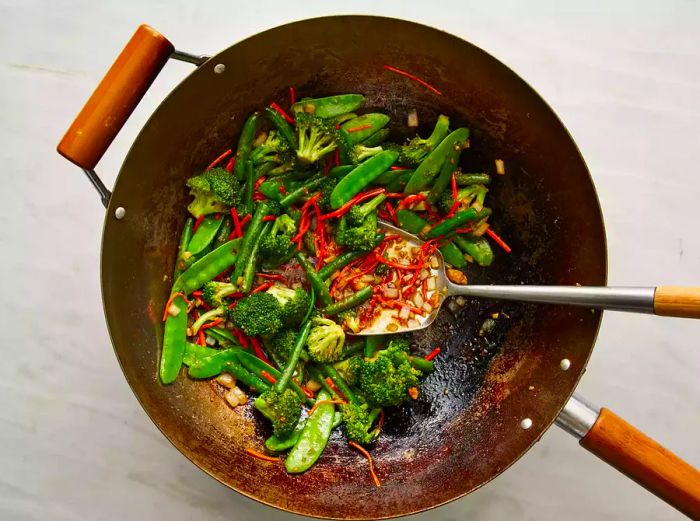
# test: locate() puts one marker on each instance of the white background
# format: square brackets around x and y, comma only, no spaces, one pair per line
[74,444]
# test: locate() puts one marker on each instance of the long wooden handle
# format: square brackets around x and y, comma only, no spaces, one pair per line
[642,459]
[677,301]
[115,97]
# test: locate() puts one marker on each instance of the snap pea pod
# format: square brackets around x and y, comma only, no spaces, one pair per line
[249,187]
[277,444]
[271,188]
[350,302]
[195,352]
[224,231]
[245,145]
[252,261]
[250,239]
[331,106]
[313,438]
[478,248]
[211,365]
[362,175]
[317,283]
[400,181]
[283,127]
[373,344]
[391,175]
[341,171]
[208,267]
[377,138]
[185,236]
[174,339]
[337,420]
[244,376]
[446,171]
[223,336]
[373,121]
[342,260]
[472,179]
[205,234]
[459,219]
[256,366]
[307,188]
[431,165]
[345,117]
[415,224]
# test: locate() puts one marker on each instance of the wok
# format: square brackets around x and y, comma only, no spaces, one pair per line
[489,399]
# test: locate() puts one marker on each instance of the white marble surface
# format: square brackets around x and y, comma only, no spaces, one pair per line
[74,444]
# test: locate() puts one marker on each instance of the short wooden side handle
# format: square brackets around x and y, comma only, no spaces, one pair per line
[115,97]
[643,460]
[677,301]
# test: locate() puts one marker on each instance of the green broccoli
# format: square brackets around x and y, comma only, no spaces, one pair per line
[282,408]
[358,214]
[399,343]
[361,238]
[258,314]
[277,244]
[413,152]
[326,339]
[316,137]
[294,303]
[358,420]
[386,378]
[358,153]
[213,293]
[274,149]
[348,369]
[466,196]
[327,186]
[214,191]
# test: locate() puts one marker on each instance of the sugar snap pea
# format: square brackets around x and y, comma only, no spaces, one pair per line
[446,170]
[362,175]
[415,224]
[398,183]
[174,339]
[341,171]
[245,145]
[185,237]
[205,234]
[477,247]
[459,219]
[377,138]
[453,255]
[307,188]
[208,267]
[277,444]
[195,352]
[314,437]
[367,124]
[283,127]
[331,106]
[345,117]
[350,302]
[211,365]
[390,175]
[429,168]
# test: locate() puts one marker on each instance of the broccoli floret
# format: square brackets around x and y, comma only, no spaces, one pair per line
[358,153]
[358,419]
[348,368]
[258,314]
[316,137]
[361,237]
[399,343]
[274,208]
[413,152]
[465,196]
[213,293]
[277,244]
[214,191]
[294,302]
[386,379]
[327,186]
[326,339]
[281,344]
[274,149]
[283,409]
[357,214]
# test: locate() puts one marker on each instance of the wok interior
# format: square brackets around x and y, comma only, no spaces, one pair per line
[464,429]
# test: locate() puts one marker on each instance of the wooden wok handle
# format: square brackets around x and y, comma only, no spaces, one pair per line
[677,301]
[115,97]
[643,460]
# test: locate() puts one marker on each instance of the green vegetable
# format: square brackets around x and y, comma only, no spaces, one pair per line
[375,120]
[316,281]
[399,182]
[280,444]
[386,378]
[258,314]
[362,175]
[446,171]
[284,128]
[329,107]
[326,339]
[195,353]
[309,187]
[277,244]
[472,179]
[338,172]
[214,292]
[214,191]
[246,377]
[478,248]
[223,336]
[347,368]
[458,220]
[453,255]
[256,366]
[185,236]
[376,138]
[358,419]
[205,234]
[353,348]
[326,188]
[350,302]
[391,176]
[245,145]
[252,262]
[417,149]
[249,188]
[208,267]
[357,214]
[465,197]
[344,117]
[341,261]
[275,149]
[224,232]
[431,165]
[211,365]
[360,237]
[316,137]
[374,343]
[313,439]
[250,239]
[411,221]
[294,304]
[173,342]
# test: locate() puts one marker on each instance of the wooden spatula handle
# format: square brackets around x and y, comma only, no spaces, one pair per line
[677,301]
[642,459]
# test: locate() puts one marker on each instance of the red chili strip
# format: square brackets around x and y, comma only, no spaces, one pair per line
[398,167]
[392,213]
[242,339]
[352,202]
[414,78]
[498,240]
[282,112]
[395,195]
[433,353]
[367,455]
[260,455]
[262,287]
[258,350]
[267,376]
[272,276]
[464,230]
[236,222]
[283,190]
[170,301]
[201,338]
[331,384]
[260,181]
[268,218]
[453,183]
[219,159]
[197,223]
[213,323]
[231,163]
[358,128]
[197,293]
[411,199]
[292,96]
[337,157]
[245,221]
[408,267]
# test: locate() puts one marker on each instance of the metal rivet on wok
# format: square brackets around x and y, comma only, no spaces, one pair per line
[526,423]
[219,68]
[120,212]
[565,364]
